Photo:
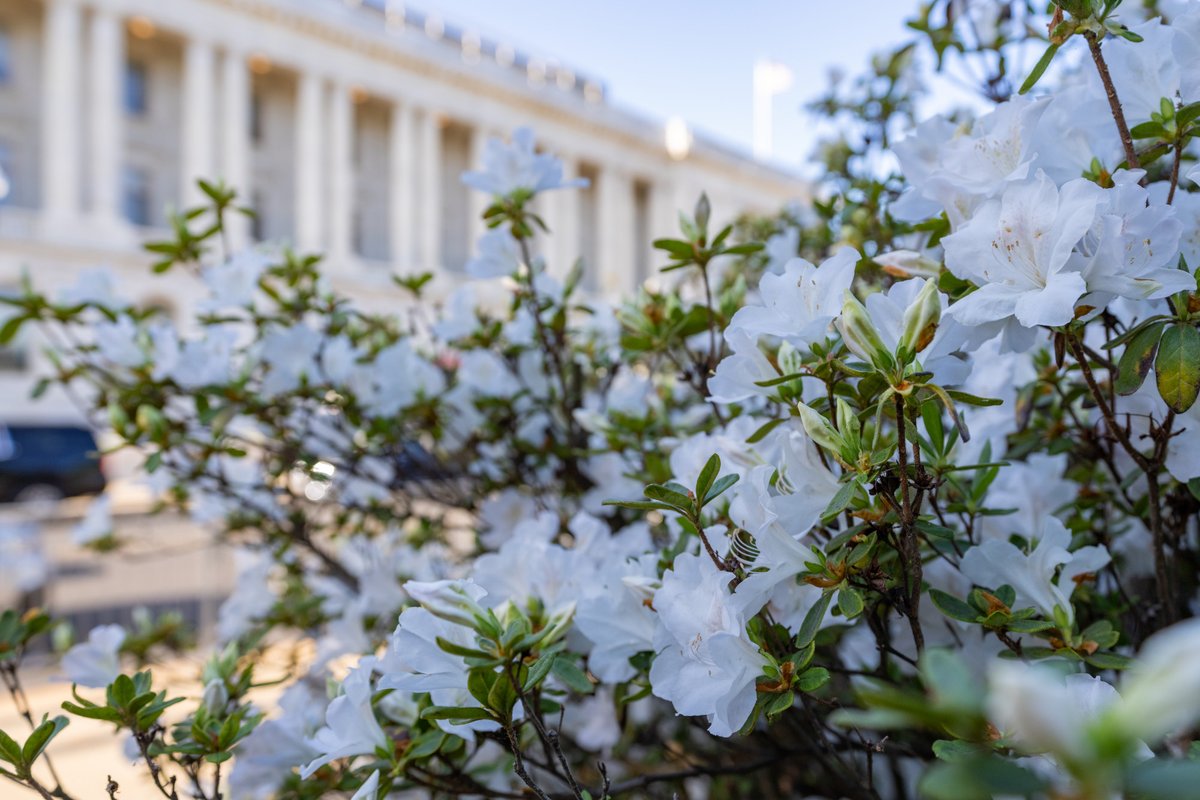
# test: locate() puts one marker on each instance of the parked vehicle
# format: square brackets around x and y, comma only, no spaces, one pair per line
[48,462]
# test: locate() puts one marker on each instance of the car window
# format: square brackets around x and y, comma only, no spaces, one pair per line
[48,442]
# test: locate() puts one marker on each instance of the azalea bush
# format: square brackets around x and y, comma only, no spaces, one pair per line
[900,502]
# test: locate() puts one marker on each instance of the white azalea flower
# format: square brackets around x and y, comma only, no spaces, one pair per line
[234,282]
[1017,249]
[1162,689]
[118,342]
[1042,710]
[350,725]
[509,167]
[96,523]
[369,788]
[95,663]
[997,562]
[414,662]
[1132,249]
[615,615]
[739,373]
[705,665]
[499,255]
[800,304]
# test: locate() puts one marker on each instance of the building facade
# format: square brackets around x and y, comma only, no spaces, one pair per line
[344,123]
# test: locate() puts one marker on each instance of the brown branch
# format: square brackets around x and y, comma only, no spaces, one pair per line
[1114,103]
[910,549]
[1150,467]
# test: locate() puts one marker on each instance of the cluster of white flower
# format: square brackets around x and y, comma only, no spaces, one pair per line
[845,482]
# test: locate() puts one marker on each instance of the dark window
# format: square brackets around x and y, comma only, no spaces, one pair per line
[5,56]
[136,85]
[258,220]
[135,195]
[256,118]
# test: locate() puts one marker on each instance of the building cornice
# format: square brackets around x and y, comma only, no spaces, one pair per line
[364,32]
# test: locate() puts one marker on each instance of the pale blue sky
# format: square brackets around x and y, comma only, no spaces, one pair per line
[694,58]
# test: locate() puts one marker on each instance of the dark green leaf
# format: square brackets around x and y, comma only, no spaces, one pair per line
[1137,359]
[952,607]
[1178,367]
[812,621]
[812,679]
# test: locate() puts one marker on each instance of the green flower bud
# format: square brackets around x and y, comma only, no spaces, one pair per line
[791,360]
[848,426]
[819,429]
[921,319]
[215,698]
[860,335]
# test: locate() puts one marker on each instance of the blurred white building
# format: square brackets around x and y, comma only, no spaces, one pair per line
[345,123]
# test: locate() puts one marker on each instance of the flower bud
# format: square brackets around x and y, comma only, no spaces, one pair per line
[791,360]
[907,264]
[703,212]
[819,429]
[860,335]
[848,426]
[921,319]
[454,601]
[215,697]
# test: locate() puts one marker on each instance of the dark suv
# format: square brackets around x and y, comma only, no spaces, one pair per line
[47,462]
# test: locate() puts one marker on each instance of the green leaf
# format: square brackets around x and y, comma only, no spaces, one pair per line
[781,379]
[9,331]
[566,671]
[672,498]
[1178,367]
[973,400]
[639,505]
[41,737]
[1039,68]
[1164,779]
[1148,130]
[1108,661]
[843,498]
[10,751]
[538,672]
[850,602]
[456,715]
[812,679]
[1028,625]
[812,621]
[707,475]
[677,248]
[955,750]
[762,432]
[952,607]
[1137,359]
[718,488]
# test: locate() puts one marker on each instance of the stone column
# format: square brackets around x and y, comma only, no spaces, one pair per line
[564,230]
[477,201]
[60,153]
[341,173]
[614,199]
[198,151]
[431,192]
[235,139]
[402,186]
[309,233]
[105,142]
